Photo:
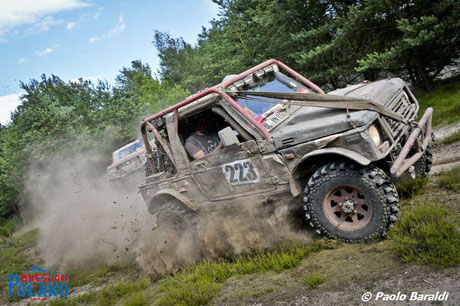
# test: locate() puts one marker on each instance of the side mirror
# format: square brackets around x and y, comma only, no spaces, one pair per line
[228,137]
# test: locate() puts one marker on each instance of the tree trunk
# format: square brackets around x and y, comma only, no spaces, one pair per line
[424,79]
[411,74]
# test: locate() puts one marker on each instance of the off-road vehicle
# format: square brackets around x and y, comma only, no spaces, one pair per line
[128,163]
[336,155]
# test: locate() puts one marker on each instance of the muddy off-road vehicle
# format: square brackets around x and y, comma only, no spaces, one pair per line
[128,163]
[335,155]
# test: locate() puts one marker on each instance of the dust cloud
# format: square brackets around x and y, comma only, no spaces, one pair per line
[80,216]
[244,227]
[83,220]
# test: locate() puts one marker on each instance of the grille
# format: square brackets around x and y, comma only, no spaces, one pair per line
[403,106]
[287,141]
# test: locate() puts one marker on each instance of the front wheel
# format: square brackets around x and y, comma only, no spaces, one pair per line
[351,202]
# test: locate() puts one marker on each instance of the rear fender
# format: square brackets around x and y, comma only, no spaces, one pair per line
[164,195]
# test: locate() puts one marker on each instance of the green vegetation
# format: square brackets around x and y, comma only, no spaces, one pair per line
[7,228]
[427,234]
[16,256]
[444,100]
[58,119]
[314,280]
[451,179]
[333,43]
[197,285]
[410,188]
[451,138]
[130,291]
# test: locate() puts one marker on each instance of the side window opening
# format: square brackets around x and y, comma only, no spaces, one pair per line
[200,132]
[159,157]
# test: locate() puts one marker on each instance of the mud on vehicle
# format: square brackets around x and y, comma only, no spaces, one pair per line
[336,155]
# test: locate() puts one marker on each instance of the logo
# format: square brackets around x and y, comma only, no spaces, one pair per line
[38,286]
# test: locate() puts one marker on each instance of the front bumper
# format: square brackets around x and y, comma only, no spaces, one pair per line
[401,164]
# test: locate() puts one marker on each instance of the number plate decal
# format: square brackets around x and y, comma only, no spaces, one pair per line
[274,120]
[241,172]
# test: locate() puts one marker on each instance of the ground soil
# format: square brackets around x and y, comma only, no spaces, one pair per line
[349,272]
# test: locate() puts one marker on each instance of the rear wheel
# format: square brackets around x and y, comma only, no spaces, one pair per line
[174,242]
[350,202]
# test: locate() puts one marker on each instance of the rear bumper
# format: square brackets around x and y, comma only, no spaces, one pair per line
[401,164]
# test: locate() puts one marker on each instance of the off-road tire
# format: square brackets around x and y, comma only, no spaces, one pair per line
[423,165]
[371,181]
[174,242]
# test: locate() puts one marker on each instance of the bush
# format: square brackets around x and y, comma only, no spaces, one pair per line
[314,280]
[427,234]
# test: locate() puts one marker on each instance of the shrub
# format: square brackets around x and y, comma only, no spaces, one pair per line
[314,280]
[427,234]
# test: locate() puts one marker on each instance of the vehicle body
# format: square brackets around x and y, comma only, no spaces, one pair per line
[336,154]
[128,163]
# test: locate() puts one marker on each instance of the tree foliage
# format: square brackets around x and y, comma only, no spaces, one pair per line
[58,118]
[332,42]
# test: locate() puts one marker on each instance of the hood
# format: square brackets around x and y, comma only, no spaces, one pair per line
[309,123]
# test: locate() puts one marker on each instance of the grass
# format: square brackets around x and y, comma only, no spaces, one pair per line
[98,275]
[313,281]
[444,100]
[451,179]
[255,293]
[427,231]
[427,234]
[451,138]
[411,188]
[128,291]
[15,258]
[197,285]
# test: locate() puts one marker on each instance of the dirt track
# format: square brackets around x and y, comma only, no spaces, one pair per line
[445,155]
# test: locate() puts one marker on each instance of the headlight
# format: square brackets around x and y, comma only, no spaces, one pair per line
[112,171]
[375,135]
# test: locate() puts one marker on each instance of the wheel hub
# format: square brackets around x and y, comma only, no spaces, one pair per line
[348,206]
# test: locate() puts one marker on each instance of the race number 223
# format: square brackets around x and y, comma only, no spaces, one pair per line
[241,172]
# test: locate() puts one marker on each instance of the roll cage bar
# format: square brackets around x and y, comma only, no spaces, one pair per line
[220,90]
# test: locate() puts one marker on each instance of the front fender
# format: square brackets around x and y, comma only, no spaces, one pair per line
[165,194]
[295,187]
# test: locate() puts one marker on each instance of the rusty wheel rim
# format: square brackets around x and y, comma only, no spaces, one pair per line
[347,208]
